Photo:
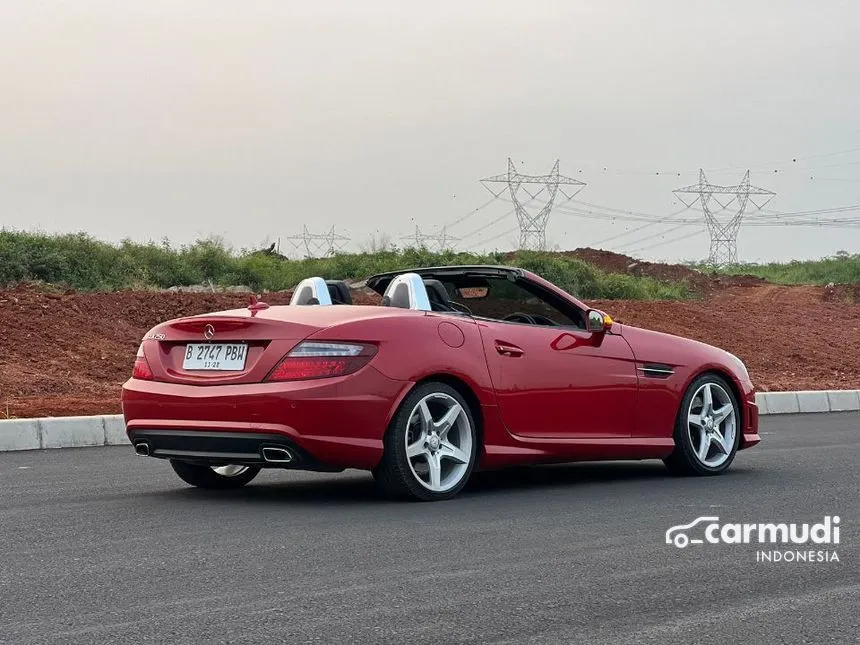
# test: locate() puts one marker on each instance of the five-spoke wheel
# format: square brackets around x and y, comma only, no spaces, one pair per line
[430,446]
[439,442]
[711,424]
[708,428]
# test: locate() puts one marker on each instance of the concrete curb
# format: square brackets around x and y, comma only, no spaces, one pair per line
[109,430]
[62,432]
[808,401]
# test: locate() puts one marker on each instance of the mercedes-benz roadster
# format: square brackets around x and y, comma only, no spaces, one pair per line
[460,368]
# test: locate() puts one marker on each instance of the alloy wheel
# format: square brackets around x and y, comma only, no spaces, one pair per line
[439,442]
[712,425]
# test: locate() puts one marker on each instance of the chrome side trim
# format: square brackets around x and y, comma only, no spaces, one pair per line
[656,371]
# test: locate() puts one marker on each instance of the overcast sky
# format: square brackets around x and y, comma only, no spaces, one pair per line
[186,118]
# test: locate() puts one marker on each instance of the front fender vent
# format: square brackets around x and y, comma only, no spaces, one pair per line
[656,370]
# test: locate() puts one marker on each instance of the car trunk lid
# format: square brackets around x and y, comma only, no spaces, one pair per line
[221,349]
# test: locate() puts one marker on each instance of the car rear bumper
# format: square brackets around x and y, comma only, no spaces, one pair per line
[220,448]
[329,423]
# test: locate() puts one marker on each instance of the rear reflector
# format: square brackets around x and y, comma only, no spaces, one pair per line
[312,360]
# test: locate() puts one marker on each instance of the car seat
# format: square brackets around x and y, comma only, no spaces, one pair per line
[338,290]
[438,295]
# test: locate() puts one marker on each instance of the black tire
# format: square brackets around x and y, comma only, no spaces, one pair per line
[205,477]
[393,474]
[684,461]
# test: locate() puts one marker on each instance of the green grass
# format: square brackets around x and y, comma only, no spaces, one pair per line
[86,264]
[840,268]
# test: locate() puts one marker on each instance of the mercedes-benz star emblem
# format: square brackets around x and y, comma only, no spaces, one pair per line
[208,332]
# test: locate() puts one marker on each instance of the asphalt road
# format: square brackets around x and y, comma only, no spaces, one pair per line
[98,545]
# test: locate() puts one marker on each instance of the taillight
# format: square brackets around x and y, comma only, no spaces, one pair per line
[141,369]
[310,360]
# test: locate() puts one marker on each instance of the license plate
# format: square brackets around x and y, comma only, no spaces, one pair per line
[215,356]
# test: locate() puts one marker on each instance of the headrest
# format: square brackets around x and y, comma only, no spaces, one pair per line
[339,292]
[311,291]
[407,291]
[438,294]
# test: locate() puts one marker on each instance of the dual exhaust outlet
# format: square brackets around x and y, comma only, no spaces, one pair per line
[271,454]
[276,455]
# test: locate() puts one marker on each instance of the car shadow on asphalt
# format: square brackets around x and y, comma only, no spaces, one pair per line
[611,473]
[356,487]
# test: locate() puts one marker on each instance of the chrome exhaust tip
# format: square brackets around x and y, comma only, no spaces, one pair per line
[142,448]
[274,455]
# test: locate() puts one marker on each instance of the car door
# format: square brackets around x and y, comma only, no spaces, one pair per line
[557,382]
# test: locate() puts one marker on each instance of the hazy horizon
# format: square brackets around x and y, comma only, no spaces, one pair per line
[249,120]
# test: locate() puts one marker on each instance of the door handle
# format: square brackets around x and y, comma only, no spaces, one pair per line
[508,350]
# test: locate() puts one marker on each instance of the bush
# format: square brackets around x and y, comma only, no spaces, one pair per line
[84,263]
[841,268]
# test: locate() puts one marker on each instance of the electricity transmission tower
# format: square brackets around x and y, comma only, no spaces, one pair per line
[533,225]
[724,230]
[441,241]
[317,245]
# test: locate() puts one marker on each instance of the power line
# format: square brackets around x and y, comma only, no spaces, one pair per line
[463,218]
[651,237]
[835,179]
[765,166]
[488,225]
[494,238]
[621,210]
[820,211]
[500,217]
[623,234]
[741,199]
[664,242]
[765,218]
[828,223]
[624,218]
[638,228]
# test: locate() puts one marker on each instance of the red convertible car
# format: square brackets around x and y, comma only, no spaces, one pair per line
[460,368]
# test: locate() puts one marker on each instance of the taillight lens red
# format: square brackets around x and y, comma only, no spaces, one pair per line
[141,369]
[312,360]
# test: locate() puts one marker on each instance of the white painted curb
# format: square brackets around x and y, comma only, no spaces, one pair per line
[808,401]
[109,430]
[62,432]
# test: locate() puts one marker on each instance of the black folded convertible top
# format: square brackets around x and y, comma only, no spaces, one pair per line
[380,281]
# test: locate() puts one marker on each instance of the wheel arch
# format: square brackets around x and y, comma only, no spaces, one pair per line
[733,386]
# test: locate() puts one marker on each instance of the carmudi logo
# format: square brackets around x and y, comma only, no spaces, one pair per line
[709,530]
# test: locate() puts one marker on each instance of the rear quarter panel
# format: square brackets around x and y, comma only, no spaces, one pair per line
[426,344]
[412,348]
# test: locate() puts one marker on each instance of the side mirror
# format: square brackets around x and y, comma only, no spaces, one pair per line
[597,322]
